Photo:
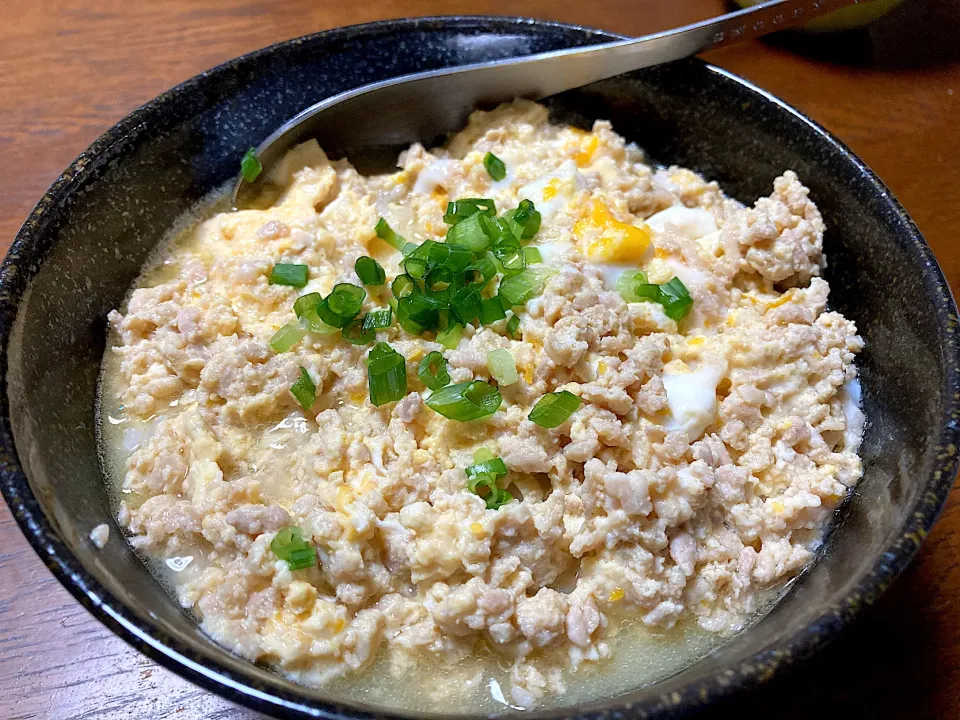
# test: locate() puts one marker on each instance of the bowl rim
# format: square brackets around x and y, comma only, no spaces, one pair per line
[212,675]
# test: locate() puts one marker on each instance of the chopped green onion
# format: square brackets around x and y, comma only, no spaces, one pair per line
[482,455]
[387,234]
[423,310]
[378,319]
[386,375]
[527,217]
[292,275]
[433,371]
[628,282]
[289,546]
[512,257]
[513,324]
[250,166]
[287,336]
[356,334]
[304,390]
[554,409]
[439,284]
[369,271]
[342,304]
[494,166]
[466,304]
[495,497]
[500,229]
[466,401]
[449,337]
[493,466]
[491,310]
[469,234]
[532,254]
[516,290]
[462,209]
[480,272]
[502,367]
[305,308]
[675,299]
[402,286]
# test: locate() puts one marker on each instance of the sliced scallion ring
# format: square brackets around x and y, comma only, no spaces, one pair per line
[288,545]
[304,390]
[495,166]
[433,371]
[289,274]
[356,334]
[369,271]
[342,304]
[516,290]
[466,401]
[449,337]
[466,207]
[250,166]
[378,319]
[502,367]
[287,336]
[554,409]
[386,375]
[491,310]
[513,325]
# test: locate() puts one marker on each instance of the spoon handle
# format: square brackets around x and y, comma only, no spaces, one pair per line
[372,123]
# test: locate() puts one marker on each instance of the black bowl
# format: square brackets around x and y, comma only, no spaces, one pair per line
[84,244]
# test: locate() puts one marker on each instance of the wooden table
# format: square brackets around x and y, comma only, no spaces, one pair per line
[71,68]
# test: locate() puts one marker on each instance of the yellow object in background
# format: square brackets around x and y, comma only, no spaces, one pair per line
[847,18]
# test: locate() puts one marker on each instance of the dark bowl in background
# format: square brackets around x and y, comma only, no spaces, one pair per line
[84,244]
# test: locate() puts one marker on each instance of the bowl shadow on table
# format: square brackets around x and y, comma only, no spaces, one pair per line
[917,34]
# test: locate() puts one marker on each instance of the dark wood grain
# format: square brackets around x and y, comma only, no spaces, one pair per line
[71,68]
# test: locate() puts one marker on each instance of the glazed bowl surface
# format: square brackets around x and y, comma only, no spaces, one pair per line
[85,243]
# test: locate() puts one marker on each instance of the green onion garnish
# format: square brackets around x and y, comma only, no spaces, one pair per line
[287,336]
[250,166]
[386,374]
[502,367]
[466,401]
[342,304]
[292,275]
[532,254]
[356,334]
[675,299]
[461,209]
[387,234]
[513,324]
[402,286]
[495,498]
[433,371]
[672,295]
[423,310]
[490,466]
[480,272]
[554,409]
[378,319]
[512,257]
[491,310]
[494,166]
[527,217]
[305,308]
[369,271]
[304,390]
[449,337]
[289,546]
[469,234]
[516,290]
[466,304]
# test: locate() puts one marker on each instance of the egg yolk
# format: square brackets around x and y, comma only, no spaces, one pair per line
[611,240]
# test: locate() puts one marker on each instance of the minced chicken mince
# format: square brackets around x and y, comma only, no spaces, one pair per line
[697,473]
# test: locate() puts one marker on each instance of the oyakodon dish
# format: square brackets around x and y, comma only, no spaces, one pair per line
[615,393]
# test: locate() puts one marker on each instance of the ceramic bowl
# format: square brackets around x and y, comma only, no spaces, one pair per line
[85,242]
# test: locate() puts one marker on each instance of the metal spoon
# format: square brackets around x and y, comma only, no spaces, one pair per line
[370,124]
